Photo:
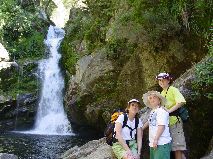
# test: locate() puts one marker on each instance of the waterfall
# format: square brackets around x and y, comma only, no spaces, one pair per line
[51,118]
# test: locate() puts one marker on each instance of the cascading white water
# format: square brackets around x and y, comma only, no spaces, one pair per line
[51,118]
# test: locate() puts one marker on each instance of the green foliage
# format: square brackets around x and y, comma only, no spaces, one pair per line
[194,16]
[151,21]
[160,26]
[21,30]
[88,28]
[94,34]
[69,58]
[22,34]
[76,24]
[18,23]
[18,80]
[94,29]
[8,77]
[31,47]
[202,15]
[15,86]
[100,8]
[47,5]
[203,83]
[75,36]
[120,50]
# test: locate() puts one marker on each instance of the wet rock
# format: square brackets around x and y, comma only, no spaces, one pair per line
[18,113]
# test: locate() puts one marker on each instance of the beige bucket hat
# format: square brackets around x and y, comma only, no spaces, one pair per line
[146,95]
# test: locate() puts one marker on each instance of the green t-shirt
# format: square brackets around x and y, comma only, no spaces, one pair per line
[173,97]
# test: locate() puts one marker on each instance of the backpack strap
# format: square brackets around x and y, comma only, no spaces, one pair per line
[125,120]
[136,126]
[131,130]
[136,122]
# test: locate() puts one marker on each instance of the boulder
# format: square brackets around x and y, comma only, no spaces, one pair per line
[17,113]
[210,156]
[97,149]
[82,85]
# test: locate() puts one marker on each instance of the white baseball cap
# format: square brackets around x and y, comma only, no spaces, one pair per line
[163,76]
[133,100]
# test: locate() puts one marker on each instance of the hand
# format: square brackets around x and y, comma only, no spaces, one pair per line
[137,156]
[169,111]
[129,154]
[166,109]
[155,144]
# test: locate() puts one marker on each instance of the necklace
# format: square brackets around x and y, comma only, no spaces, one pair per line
[166,91]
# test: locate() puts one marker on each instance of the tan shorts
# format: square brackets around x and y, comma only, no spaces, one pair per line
[178,138]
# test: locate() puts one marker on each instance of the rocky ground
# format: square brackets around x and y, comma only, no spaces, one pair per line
[7,156]
[97,149]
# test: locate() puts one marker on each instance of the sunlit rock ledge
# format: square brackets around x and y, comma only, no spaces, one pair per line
[4,58]
[4,64]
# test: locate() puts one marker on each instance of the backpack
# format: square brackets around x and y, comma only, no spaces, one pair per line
[109,132]
[181,112]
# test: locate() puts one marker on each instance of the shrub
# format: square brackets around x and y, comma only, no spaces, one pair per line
[203,83]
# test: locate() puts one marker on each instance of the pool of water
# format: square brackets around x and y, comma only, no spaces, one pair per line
[29,146]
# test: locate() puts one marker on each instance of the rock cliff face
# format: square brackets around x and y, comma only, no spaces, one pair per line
[83,88]
[122,63]
[100,85]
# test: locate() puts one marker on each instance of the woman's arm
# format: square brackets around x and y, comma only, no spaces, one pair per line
[139,139]
[118,129]
[160,130]
[179,100]
[175,107]
[145,125]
